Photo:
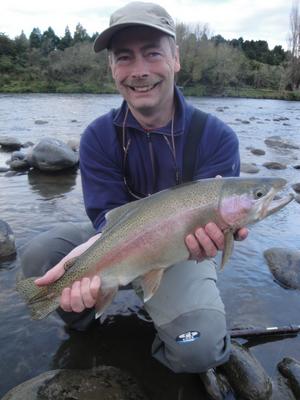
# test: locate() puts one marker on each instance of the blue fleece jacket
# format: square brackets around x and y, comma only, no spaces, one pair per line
[101,157]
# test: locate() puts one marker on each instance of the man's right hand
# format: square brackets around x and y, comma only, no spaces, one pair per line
[82,294]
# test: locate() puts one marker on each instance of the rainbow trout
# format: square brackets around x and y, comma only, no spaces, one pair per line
[143,238]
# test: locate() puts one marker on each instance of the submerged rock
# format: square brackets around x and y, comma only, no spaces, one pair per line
[277,141]
[105,383]
[274,165]
[290,368]
[246,376]
[284,265]
[52,155]
[296,187]
[249,168]
[7,240]
[258,152]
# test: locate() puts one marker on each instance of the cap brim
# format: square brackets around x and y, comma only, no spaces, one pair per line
[103,40]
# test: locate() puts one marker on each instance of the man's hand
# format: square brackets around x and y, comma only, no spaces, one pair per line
[206,241]
[83,293]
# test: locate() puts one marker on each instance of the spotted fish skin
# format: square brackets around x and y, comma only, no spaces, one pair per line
[143,238]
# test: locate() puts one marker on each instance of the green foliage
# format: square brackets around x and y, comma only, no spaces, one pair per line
[209,65]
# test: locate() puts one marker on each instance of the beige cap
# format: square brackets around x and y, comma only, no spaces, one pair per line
[136,13]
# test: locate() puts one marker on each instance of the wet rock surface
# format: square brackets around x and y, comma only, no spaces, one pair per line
[290,368]
[246,376]
[10,143]
[284,265]
[103,382]
[52,155]
[7,241]
[296,187]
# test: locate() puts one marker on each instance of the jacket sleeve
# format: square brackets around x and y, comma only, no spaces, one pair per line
[101,171]
[218,152]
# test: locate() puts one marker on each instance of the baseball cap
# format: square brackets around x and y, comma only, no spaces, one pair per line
[136,13]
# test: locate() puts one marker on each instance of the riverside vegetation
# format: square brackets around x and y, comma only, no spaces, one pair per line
[210,65]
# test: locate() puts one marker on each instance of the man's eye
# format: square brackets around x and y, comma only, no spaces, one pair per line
[122,58]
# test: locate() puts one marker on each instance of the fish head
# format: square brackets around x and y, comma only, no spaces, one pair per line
[245,201]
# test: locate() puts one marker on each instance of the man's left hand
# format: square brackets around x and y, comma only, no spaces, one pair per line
[207,240]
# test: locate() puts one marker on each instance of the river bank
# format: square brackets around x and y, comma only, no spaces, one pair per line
[109,88]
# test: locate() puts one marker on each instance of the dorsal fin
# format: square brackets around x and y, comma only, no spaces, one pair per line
[117,214]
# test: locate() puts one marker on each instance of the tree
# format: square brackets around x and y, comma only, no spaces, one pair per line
[66,40]
[80,34]
[293,75]
[35,39]
[49,41]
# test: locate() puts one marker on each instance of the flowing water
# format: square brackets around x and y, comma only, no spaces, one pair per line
[32,203]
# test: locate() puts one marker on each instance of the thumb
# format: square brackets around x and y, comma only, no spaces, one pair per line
[52,275]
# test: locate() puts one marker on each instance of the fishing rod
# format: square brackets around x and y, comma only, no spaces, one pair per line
[264,331]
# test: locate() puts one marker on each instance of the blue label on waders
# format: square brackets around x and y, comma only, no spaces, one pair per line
[188,337]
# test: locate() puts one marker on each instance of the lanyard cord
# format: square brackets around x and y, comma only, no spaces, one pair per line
[126,146]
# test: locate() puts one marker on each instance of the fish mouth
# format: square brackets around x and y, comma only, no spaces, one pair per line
[271,203]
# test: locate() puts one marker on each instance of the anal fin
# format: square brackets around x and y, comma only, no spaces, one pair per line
[150,282]
[105,297]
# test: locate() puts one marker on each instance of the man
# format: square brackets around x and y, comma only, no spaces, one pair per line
[135,151]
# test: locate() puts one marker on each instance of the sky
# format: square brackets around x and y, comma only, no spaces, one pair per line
[251,19]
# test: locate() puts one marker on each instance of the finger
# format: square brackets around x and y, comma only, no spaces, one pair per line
[77,304]
[65,300]
[95,286]
[241,234]
[205,241]
[215,234]
[192,244]
[52,275]
[86,295]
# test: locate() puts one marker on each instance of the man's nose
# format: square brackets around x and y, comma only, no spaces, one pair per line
[139,68]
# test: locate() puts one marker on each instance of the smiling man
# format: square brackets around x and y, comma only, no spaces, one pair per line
[134,151]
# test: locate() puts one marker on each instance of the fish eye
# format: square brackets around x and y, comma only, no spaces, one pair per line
[259,193]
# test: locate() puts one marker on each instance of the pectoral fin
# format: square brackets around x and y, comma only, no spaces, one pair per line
[150,282]
[105,297]
[228,247]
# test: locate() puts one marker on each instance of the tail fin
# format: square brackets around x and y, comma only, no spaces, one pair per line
[40,301]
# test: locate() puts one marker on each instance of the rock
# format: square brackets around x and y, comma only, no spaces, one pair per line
[220,109]
[4,169]
[28,144]
[274,165]
[249,168]
[105,383]
[296,187]
[216,384]
[52,155]
[40,122]
[296,166]
[277,141]
[10,143]
[7,240]
[258,152]
[290,368]
[18,155]
[19,165]
[284,265]
[297,198]
[246,376]
[73,144]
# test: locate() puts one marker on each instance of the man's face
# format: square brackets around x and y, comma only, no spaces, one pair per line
[143,65]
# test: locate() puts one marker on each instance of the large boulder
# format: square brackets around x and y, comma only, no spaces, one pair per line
[52,155]
[105,383]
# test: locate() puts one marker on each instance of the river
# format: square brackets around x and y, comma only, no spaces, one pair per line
[32,203]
